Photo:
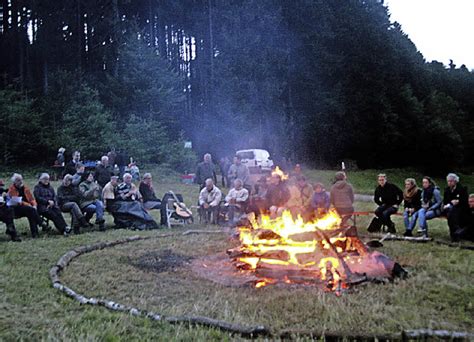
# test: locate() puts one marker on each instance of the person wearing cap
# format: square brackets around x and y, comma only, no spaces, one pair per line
[47,204]
[27,206]
[7,214]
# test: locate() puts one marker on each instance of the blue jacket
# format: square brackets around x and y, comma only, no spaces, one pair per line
[320,200]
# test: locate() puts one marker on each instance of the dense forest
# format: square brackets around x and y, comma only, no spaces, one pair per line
[319,81]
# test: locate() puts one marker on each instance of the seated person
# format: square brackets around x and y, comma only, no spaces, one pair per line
[299,202]
[134,171]
[431,203]
[258,203]
[277,196]
[27,207]
[388,197]
[411,204]
[455,202]
[150,201]
[209,201]
[127,191]
[69,198]
[7,214]
[127,212]
[80,175]
[342,197]
[47,204]
[104,171]
[90,201]
[320,200]
[237,199]
[466,232]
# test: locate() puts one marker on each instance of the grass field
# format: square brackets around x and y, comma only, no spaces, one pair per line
[439,293]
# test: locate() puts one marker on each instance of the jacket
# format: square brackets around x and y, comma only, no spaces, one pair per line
[27,200]
[389,195]
[238,171]
[458,193]
[432,202]
[277,195]
[213,197]
[205,171]
[43,194]
[70,168]
[300,197]
[342,195]
[147,192]
[240,196]
[415,201]
[68,194]
[90,192]
[103,174]
[320,200]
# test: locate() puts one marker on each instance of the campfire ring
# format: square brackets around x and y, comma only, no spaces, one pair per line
[243,330]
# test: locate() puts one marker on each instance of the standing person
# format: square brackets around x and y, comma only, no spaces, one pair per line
[90,201]
[224,166]
[70,167]
[342,197]
[150,201]
[69,199]
[47,204]
[209,201]
[205,170]
[388,197]
[60,157]
[431,203]
[466,232]
[238,170]
[111,155]
[27,206]
[104,171]
[411,204]
[455,202]
[121,161]
[7,214]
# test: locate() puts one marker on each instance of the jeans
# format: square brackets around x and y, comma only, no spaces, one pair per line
[97,208]
[384,212]
[410,220]
[423,216]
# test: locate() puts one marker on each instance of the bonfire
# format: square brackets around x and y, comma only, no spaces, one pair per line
[289,250]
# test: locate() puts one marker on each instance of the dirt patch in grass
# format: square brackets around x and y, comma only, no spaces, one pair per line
[160,261]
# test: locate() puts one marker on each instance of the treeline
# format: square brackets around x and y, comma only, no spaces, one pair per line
[319,81]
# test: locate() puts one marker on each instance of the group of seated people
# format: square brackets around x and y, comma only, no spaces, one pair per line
[81,194]
[273,196]
[421,205]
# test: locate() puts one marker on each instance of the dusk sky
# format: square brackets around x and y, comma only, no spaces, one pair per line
[441,29]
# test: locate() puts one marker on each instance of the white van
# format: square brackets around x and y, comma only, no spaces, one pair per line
[256,158]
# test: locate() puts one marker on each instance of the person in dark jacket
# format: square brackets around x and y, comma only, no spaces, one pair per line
[205,170]
[103,171]
[277,196]
[79,176]
[150,201]
[47,204]
[121,160]
[69,198]
[342,197]
[466,232]
[7,214]
[70,167]
[388,197]
[411,204]
[431,204]
[455,203]
[90,200]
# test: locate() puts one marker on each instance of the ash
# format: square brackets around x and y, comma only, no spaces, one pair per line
[160,261]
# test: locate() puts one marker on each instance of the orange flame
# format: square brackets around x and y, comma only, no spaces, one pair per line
[280,173]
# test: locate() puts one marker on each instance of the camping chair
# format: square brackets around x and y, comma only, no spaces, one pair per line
[175,215]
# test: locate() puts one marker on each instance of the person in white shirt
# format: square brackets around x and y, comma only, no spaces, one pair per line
[237,199]
[209,201]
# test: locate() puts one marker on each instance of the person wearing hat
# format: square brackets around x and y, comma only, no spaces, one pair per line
[7,214]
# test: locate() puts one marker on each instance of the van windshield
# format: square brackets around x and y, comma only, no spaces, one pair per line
[246,155]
